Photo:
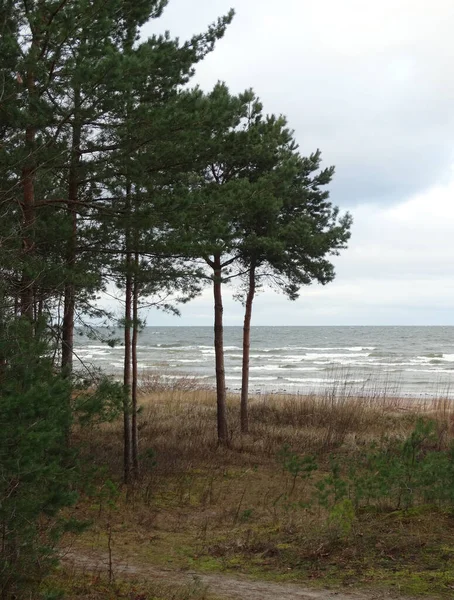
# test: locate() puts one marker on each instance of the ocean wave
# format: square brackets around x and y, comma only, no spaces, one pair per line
[323,348]
[233,378]
[166,376]
[431,358]
[325,380]
[295,367]
[255,355]
[191,360]
[105,347]
[315,356]
[175,345]
[262,368]
[435,370]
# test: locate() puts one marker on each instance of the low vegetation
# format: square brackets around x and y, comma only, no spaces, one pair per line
[327,491]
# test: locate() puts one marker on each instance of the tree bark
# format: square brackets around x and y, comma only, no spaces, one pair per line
[127,377]
[70,288]
[28,212]
[219,354]
[28,182]
[134,404]
[244,414]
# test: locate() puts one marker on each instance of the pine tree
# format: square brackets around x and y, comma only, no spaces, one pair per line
[152,135]
[290,230]
[240,148]
[37,470]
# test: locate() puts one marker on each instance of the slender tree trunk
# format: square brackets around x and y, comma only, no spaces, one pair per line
[219,353]
[246,350]
[28,186]
[134,405]
[70,288]
[127,376]
[28,223]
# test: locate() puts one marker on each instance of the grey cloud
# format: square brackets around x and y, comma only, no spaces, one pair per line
[377,102]
[372,86]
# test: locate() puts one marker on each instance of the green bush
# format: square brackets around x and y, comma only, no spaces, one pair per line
[37,466]
[400,474]
[392,475]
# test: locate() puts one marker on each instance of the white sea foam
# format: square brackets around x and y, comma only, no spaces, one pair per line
[434,370]
[323,348]
[233,378]
[294,369]
[315,356]
[325,380]
[191,360]
[263,368]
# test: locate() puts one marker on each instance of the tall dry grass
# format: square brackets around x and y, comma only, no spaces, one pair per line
[177,425]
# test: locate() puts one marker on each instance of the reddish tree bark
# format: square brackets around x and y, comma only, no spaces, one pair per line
[28,182]
[244,413]
[70,288]
[28,212]
[219,353]
[127,376]
[134,403]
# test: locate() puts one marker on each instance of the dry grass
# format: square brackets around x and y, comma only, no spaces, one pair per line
[94,584]
[179,425]
[206,507]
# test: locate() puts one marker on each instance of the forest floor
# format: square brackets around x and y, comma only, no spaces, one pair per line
[262,518]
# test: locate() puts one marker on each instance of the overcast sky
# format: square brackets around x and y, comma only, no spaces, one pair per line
[372,85]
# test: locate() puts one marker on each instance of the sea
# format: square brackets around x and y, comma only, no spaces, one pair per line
[397,361]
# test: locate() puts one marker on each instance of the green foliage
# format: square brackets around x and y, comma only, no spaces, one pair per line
[403,473]
[100,405]
[150,457]
[298,466]
[342,517]
[37,466]
[393,475]
[107,495]
[332,489]
[246,515]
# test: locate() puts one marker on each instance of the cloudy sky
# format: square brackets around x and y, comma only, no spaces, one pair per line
[372,85]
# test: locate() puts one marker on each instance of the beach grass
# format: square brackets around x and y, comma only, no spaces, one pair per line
[241,509]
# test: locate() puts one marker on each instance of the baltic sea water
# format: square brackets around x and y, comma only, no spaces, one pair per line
[401,361]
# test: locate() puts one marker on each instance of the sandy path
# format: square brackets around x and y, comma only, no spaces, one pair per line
[227,587]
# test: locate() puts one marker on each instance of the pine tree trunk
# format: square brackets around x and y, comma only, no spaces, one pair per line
[28,223]
[134,405]
[28,185]
[127,380]
[127,376]
[70,288]
[219,354]
[246,351]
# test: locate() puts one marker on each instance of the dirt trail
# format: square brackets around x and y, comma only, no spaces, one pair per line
[222,586]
